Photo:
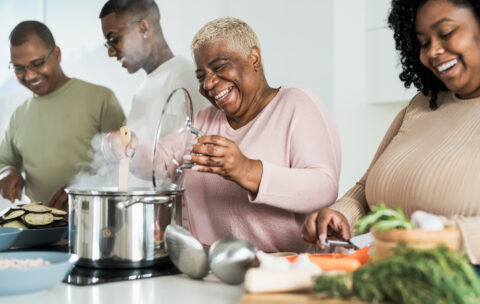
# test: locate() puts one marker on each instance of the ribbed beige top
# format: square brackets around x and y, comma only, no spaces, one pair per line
[428,160]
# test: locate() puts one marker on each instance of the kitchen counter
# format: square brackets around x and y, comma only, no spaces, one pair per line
[164,289]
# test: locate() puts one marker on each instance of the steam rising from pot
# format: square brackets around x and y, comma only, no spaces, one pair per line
[101,174]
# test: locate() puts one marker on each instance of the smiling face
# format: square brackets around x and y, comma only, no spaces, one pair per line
[48,77]
[227,78]
[128,47]
[450,45]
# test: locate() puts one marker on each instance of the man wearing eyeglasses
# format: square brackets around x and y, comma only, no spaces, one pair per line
[49,135]
[134,36]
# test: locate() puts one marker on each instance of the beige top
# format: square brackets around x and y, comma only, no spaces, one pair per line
[428,160]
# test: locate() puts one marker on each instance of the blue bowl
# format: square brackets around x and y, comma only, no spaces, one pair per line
[8,235]
[40,237]
[32,279]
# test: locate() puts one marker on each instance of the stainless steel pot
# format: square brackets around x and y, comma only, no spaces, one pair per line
[109,228]
[112,229]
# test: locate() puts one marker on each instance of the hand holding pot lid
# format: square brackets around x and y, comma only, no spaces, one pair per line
[219,155]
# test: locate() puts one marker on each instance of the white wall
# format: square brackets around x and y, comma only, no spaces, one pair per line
[298,47]
[361,124]
[381,58]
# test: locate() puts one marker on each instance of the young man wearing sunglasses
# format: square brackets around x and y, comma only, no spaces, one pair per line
[49,135]
[134,36]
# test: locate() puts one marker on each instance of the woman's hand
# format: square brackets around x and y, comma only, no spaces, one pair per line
[114,151]
[317,224]
[223,157]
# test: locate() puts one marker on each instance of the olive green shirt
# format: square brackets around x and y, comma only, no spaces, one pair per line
[49,137]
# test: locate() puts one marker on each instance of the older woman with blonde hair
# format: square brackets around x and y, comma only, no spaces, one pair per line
[271,155]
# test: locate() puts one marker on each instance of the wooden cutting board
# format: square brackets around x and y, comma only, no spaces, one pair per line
[284,298]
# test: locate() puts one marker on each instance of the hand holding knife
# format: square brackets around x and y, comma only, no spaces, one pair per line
[355,242]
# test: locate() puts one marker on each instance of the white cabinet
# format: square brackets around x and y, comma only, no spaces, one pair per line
[382,61]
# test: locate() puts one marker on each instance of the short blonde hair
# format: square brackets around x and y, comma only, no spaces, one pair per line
[227,28]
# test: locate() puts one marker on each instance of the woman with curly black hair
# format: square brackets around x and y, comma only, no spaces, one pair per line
[430,157]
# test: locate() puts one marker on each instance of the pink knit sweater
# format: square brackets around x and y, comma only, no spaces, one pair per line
[296,140]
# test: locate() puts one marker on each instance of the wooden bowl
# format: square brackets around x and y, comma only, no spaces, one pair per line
[385,242]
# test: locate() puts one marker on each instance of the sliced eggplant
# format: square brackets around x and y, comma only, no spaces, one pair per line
[35,208]
[13,214]
[39,219]
[15,224]
[61,223]
[56,212]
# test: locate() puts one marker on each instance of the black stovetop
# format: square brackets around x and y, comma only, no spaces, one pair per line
[90,276]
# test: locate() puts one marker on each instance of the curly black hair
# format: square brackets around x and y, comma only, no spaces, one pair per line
[402,21]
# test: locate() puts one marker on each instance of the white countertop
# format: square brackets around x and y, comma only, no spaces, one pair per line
[164,289]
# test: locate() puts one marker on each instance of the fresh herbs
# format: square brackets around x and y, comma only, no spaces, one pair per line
[410,276]
[383,219]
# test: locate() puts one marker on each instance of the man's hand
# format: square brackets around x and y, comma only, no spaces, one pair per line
[11,184]
[60,199]
[114,151]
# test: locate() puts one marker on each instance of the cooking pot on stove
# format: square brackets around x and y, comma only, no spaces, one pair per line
[114,229]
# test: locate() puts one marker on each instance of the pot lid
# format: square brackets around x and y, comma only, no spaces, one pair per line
[113,191]
[173,137]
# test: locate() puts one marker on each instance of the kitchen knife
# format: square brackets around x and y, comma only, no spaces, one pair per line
[362,240]
[358,241]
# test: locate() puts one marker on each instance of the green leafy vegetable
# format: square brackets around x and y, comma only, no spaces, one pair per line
[384,219]
[410,276]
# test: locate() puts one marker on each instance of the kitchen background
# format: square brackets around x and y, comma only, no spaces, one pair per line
[339,49]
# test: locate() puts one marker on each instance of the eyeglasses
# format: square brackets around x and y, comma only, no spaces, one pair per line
[111,43]
[34,66]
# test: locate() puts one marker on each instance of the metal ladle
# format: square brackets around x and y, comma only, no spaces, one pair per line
[230,258]
[186,252]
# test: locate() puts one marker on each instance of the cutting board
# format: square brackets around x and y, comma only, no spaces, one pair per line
[284,298]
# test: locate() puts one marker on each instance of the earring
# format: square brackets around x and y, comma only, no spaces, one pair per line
[145,36]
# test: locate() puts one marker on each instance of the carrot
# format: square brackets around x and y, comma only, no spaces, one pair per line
[362,255]
[337,261]
[327,264]
[293,258]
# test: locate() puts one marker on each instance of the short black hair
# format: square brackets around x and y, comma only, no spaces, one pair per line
[402,21]
[25,29]
[131,7]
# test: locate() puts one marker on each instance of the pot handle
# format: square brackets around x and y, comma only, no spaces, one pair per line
[146,201]
[198,133]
